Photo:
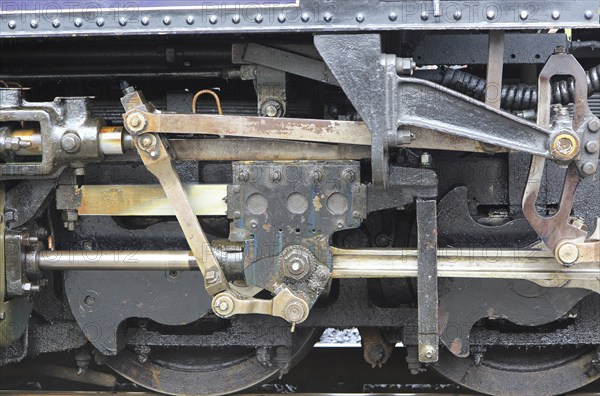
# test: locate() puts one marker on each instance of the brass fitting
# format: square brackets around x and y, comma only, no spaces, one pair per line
[564,146]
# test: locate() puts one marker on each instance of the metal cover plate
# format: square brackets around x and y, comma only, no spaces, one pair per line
[67,18]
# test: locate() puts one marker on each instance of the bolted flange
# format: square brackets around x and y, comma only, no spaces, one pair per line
[296,261]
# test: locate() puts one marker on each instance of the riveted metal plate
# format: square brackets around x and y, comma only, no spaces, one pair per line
[66,18]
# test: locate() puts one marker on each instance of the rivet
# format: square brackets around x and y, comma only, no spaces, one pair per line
[34,23]
[424,16]
[594,125]
[327,17]
[167,20]
[457,15]
[237,214]
[56,23]
[212,19]
[588,14]
[145,21]
[524,14]
[555,14]
[340,224]
[258,18]
[89,300]
[281,18]
[235,19]
[100,22]
[305,17]
[12,24]
[275,177]
[591,147]
[316,176]
[490,14]
[122,21]
[429,351]
[360,18]
[190,20]
[392,16]
[243,175]
[78,22]
[589,168]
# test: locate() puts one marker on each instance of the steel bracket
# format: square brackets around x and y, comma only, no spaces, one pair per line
[389,104]
[427,281]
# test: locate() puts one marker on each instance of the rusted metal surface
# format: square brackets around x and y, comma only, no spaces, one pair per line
[263,150]
[306,130]
[376,349]
[140,200]
[324,131]
[555,230]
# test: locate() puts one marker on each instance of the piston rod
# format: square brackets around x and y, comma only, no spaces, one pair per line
[539,266]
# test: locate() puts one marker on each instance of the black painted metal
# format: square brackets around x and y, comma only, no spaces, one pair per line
[20,20]
[101,301]
[427,280]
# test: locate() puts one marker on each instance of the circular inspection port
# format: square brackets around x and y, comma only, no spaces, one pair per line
[257,203]
[297,203]
[337,203]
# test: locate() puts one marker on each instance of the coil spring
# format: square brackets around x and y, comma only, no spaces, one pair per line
[518,96]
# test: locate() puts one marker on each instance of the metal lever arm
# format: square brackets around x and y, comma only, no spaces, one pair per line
[566,240]
[154,152]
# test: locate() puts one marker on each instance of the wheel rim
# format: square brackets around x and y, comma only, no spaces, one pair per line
[203,371]
[512,371]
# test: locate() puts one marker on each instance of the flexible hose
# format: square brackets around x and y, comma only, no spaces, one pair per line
[515,96]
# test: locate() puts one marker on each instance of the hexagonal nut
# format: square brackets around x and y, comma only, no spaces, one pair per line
[135,122]
[70,142]
[296,261]
[564,146]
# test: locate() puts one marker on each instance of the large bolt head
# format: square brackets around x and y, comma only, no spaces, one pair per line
[135,122]
[594,125]
[564,146]
[223,305]
[272,108]
[589,168]
[591,147]
[295,312]
[567,253]
[297,262]
[70,142]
